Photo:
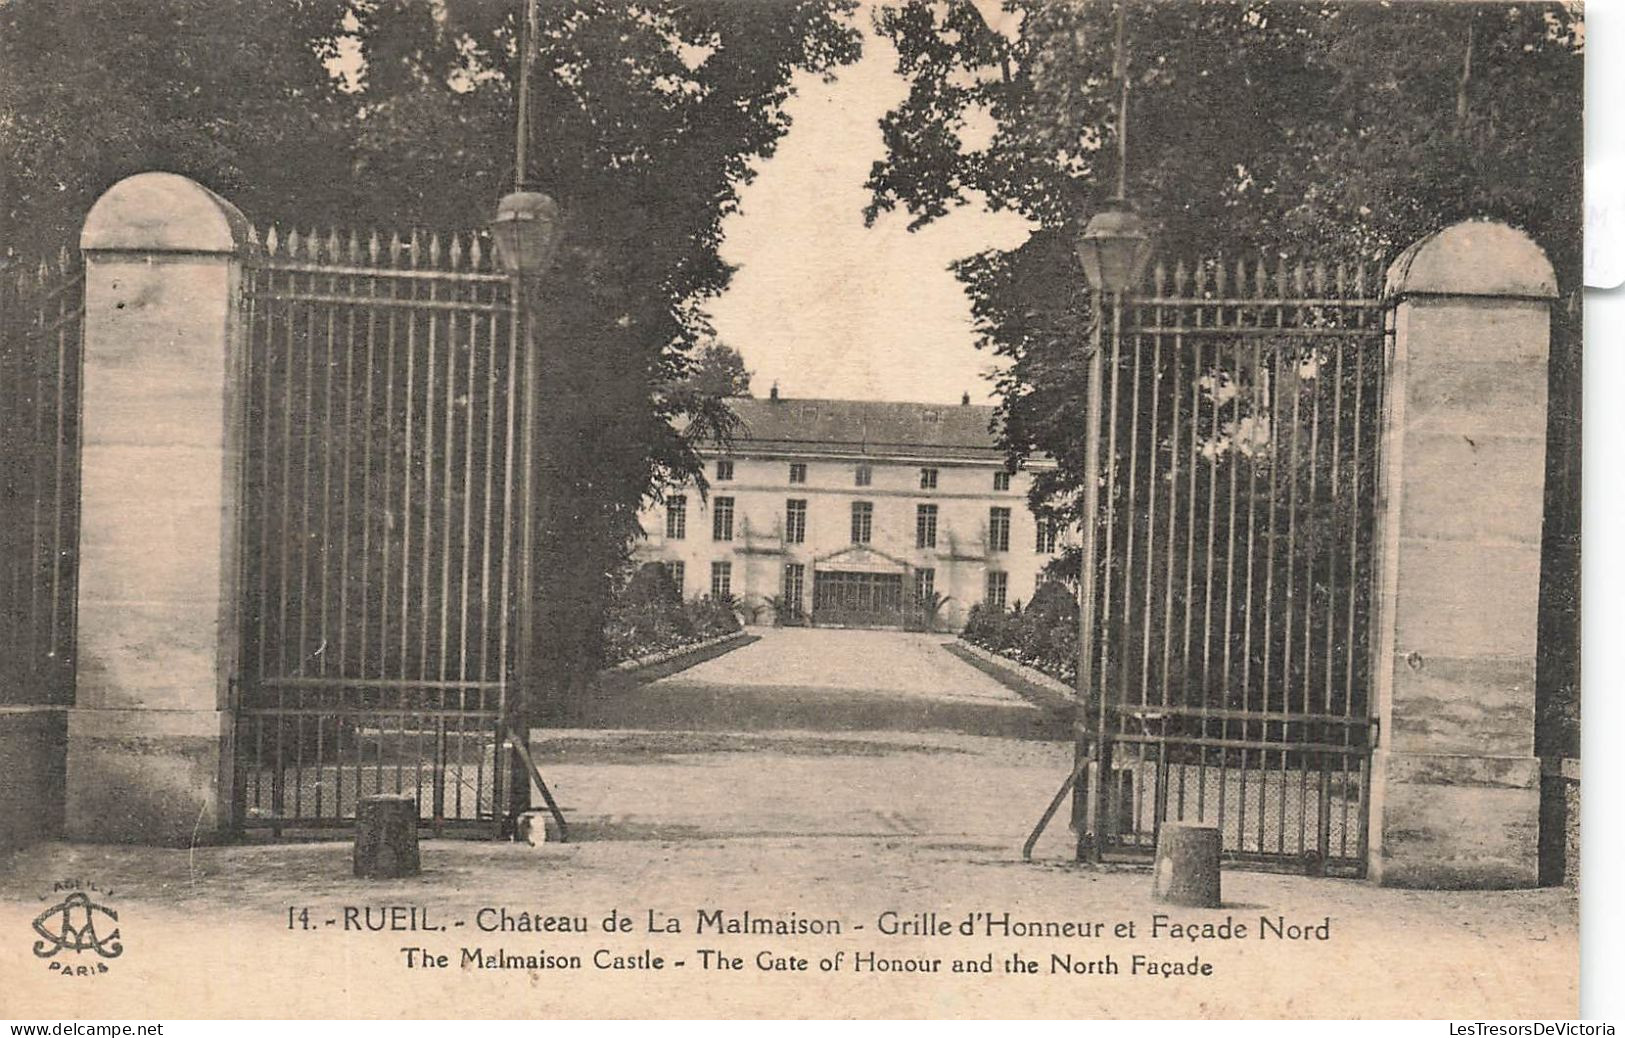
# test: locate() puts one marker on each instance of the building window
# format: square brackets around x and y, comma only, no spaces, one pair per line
[722,579]
[864,475]
[798,472]
[925,526]
[998,588]
[675,571]
[725,470]
[676,517]
[722,519]
[928,479]
[795,586]
[925,584]
[1001,481]
[863,520]
[998,529]
[1046,537]
[795,521]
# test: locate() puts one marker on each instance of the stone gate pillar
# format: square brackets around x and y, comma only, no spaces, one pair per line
[149,737]
[1455,790]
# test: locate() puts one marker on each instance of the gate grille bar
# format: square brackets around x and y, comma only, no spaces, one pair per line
[1229,677]
[41,339]
[379,559]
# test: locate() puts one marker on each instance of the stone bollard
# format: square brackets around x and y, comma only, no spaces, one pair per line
[1187,868]
[386,837]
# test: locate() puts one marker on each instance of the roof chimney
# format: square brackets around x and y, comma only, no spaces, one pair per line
[773,394]
[964,400]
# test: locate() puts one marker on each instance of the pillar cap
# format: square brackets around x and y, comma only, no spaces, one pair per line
[163,212]
[1473,258]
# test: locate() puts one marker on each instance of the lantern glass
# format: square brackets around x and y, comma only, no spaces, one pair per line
[525,232]
[1114,248]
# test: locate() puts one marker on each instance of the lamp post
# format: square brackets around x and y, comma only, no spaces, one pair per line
[525,232]
[526,226]
[1112,249]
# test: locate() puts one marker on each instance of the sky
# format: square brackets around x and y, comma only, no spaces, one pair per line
[827,307]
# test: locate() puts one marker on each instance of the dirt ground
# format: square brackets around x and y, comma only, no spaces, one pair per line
[773,781]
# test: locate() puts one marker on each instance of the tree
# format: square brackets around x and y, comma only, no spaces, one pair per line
[648,117]
[1343,131]
[234,94]
[718,370]
[1254,125]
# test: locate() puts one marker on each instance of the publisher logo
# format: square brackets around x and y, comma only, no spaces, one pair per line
[81,920]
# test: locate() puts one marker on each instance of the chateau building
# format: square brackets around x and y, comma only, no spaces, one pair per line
[855,513]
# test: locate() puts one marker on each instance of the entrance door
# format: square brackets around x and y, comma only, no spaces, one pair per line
[847,599]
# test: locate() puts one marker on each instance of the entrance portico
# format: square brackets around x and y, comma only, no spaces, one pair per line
[859,586]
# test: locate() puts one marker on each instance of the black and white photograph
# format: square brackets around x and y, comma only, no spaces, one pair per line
[790,509]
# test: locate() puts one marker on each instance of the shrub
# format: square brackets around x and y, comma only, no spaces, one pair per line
[651,584]
[648,615]
[712,617]
[1044,634]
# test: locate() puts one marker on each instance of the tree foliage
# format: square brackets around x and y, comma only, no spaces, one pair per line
[1256,130]
[234,94]
[1254,126]
[1341,130]
[398,114]
[717,370]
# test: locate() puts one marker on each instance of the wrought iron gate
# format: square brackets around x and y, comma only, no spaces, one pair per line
[42,308]
[384,491]
[1237,415]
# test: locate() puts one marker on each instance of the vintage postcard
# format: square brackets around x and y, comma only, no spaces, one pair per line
[810,509]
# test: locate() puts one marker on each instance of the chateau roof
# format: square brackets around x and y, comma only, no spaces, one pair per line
[864,428]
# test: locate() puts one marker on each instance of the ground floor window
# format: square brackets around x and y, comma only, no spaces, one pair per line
[925,584]
[675,569]
[795,586]
[998,588]
[721,579]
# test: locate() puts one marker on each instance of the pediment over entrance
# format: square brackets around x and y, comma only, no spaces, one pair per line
[860,558]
